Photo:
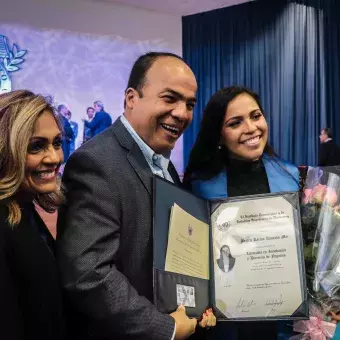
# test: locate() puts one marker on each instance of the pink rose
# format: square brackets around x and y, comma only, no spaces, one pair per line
[319,193]
[307,196]
[331,196]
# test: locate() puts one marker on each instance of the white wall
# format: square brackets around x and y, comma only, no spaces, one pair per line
[97,17]
[80,51]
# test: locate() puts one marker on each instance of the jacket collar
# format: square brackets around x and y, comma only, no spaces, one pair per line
[136,158]
[282,176]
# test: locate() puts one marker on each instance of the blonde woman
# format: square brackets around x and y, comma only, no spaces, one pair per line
[30,156]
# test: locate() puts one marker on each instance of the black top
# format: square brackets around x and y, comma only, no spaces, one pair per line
[247,178]
[30,295]
[329,154]
[250,178]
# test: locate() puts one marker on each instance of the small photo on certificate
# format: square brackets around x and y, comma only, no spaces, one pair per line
[226,261]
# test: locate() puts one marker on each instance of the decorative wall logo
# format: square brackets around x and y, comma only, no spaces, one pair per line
[9,61]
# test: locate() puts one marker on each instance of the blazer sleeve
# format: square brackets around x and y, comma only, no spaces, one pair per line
[95,123]
[87,245]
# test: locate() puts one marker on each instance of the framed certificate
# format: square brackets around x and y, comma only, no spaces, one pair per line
[251,245]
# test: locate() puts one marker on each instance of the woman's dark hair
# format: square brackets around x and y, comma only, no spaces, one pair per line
[225,247]
[207,159]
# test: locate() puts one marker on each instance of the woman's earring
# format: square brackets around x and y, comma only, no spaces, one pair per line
[219,147]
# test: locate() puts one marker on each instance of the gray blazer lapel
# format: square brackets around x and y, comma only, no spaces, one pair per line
[134,155]
[141,167]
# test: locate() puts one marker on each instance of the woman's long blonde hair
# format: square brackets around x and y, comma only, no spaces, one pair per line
[19,111]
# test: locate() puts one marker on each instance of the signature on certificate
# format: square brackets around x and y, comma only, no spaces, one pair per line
[274,302]
[245,305]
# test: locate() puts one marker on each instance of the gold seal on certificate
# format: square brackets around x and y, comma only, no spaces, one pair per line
[256,262]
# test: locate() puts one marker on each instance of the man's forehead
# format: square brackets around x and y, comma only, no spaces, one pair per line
[169,67]
[177,77]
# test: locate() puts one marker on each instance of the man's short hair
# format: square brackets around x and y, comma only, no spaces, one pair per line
[141,67]
[99,103]
[328,132]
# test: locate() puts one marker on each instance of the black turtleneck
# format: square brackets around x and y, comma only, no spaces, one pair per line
[246,178]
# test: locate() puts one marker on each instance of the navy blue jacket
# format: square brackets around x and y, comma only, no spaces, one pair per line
[100,122]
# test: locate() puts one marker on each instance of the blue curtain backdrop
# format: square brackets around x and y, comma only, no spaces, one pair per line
[287,51]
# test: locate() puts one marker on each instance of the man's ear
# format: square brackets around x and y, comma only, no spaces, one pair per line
[131,96]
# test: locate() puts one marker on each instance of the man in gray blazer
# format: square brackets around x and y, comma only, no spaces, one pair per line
[105,229]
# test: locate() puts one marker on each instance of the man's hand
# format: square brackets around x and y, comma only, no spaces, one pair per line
[184,325]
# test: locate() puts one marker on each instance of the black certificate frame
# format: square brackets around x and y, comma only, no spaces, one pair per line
[302,311]
[165,195]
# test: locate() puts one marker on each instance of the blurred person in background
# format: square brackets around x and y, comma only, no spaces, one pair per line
[329,152]
[87,131]
[101,120]
[74,127]
[68,135]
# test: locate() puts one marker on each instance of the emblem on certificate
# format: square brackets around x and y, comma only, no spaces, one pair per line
[241,256]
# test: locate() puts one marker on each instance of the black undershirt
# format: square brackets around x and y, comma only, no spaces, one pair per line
[247,178]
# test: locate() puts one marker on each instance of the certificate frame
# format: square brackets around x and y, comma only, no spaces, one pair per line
[165,194]
[302,311]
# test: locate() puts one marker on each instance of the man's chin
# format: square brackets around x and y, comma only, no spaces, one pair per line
[165,149]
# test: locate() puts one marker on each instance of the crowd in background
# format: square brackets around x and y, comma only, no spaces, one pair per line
[95,121]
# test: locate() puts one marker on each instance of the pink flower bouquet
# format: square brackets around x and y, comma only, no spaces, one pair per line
[320,216]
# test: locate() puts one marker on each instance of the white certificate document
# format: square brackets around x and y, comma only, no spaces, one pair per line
[256,267]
